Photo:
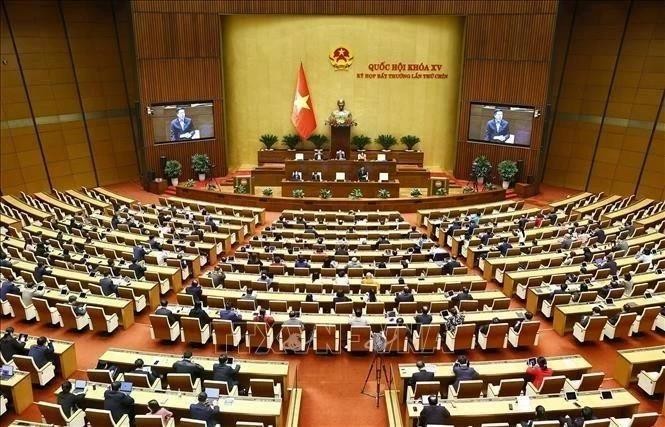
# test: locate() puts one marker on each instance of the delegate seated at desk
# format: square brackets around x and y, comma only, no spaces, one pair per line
[316,176]
[340,155]
[363,175]
[296,176]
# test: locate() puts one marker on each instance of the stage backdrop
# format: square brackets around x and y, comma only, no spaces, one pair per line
[261,55]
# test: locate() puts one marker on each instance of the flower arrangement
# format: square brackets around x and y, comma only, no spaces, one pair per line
[267,192]
[298,193]
[356,194]
[415,192]
[325,193]
[383,193]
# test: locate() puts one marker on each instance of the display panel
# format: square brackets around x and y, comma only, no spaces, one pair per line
[501,124]
[182,122]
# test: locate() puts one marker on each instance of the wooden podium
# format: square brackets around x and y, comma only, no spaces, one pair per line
[340,139]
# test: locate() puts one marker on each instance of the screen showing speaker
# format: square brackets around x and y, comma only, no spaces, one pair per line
[501,124]
[182,122]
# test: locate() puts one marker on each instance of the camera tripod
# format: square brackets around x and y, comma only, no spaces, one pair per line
[379,368]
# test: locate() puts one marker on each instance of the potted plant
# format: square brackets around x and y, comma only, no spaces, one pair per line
[173,170]
[291,140]
[298,193]
[267,191]
[386,141]
[507,171]
[361,141]
[489,186]
[383,193]
[240,189]
[356,193]
[201,165]
[269,140]
[415,193]
[318,140]
[409,141]
[481,168]
[189,183]
[325,193]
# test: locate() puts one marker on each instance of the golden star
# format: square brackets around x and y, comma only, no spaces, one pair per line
[301,102]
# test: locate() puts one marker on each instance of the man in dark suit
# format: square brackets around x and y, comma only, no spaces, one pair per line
[504,246]
[138,253]
[137,268]
[138,369]
[229,313]
[186,366]
[222,371]
[218,276]
[340,297]
[40,271]
[595,312]
[107,285]
[562,290]
[9,345]
[8,287]
[164,311]
[433,413]
[518,325]
[421,375]
[456,225]
[464,295]
[497,129]
[204,411]
[198,312]
[68,401]
[363,175]
[540,415]
[463,372]
[195,291]
[154,244]
[627,308]
[450,266]
[182,127]
[404,296]
[118,403]
[424,318]
[611,264]
[4,262]
[42,352]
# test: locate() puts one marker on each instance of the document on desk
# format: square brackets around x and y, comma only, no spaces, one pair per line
[430,368]
[523,403]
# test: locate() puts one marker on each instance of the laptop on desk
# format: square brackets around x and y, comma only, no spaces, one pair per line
[79,386]
[212,393]
[126,387]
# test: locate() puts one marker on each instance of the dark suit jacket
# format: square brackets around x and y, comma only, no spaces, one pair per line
[433,415]
[138,252]
[175,129]
[230,315]
[204,412]
[342,299]
[40,272]
[450,266]
[138,270]
[402,297]
[151,376]
[200,314]
[421,375]
[225,373]
[168,313]
[424,319]
[9,346]
[41,354]
[70,402]
[463,373]
[503,248]
[612,265]
[8,288]
[491,129]
[196,292]
[108,287]
[118,404]
[188,367]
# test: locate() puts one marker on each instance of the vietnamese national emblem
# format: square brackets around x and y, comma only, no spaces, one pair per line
[340,58]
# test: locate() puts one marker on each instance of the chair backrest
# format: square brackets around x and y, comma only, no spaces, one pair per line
[588,296]
[52,413]
[360,338]
[644,420]
[25,363]
[160,326]
[182,382]
[591,381]
[595,328]
[258,333]
[249,424]
[345,307]
[191,328]
[98,318]
[429,336]
[624,325]
[99,375]
[605,422]
[407,307]
[468,305]
[395,338]
[528,332]
[561,299]
[309,307]
[545,424]
[325,337]
[262,387]
[511,387]
[222,386]
[290,330]
[469,389]
[43,309]
[278,306]
[185,299]
[99,417]
[552,385]
[139,380]
[496,335]
[223,330]
[190,422]
[17,305]
[646,320]
[149,421]
[377,307]
[501,304]
[426,388]
[246,304]
[464,336]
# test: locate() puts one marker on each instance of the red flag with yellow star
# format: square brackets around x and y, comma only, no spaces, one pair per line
[302,116]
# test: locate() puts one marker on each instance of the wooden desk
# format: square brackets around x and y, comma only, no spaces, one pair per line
[150,290]
[565,315]
[328,168]
[266,410]
[628,210]
[633,360]
[340,189]
[124,308]
[536,295]
[493,371]
[89,200]
[311,215]
[651,220]
[561,204]
[8,221]
[18,390]
[66,208]
[26,208]
[588,209]
[115,196]
[158,186]
[65,355]
[275,370]
[492,410]
[244,211]
[422,215]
